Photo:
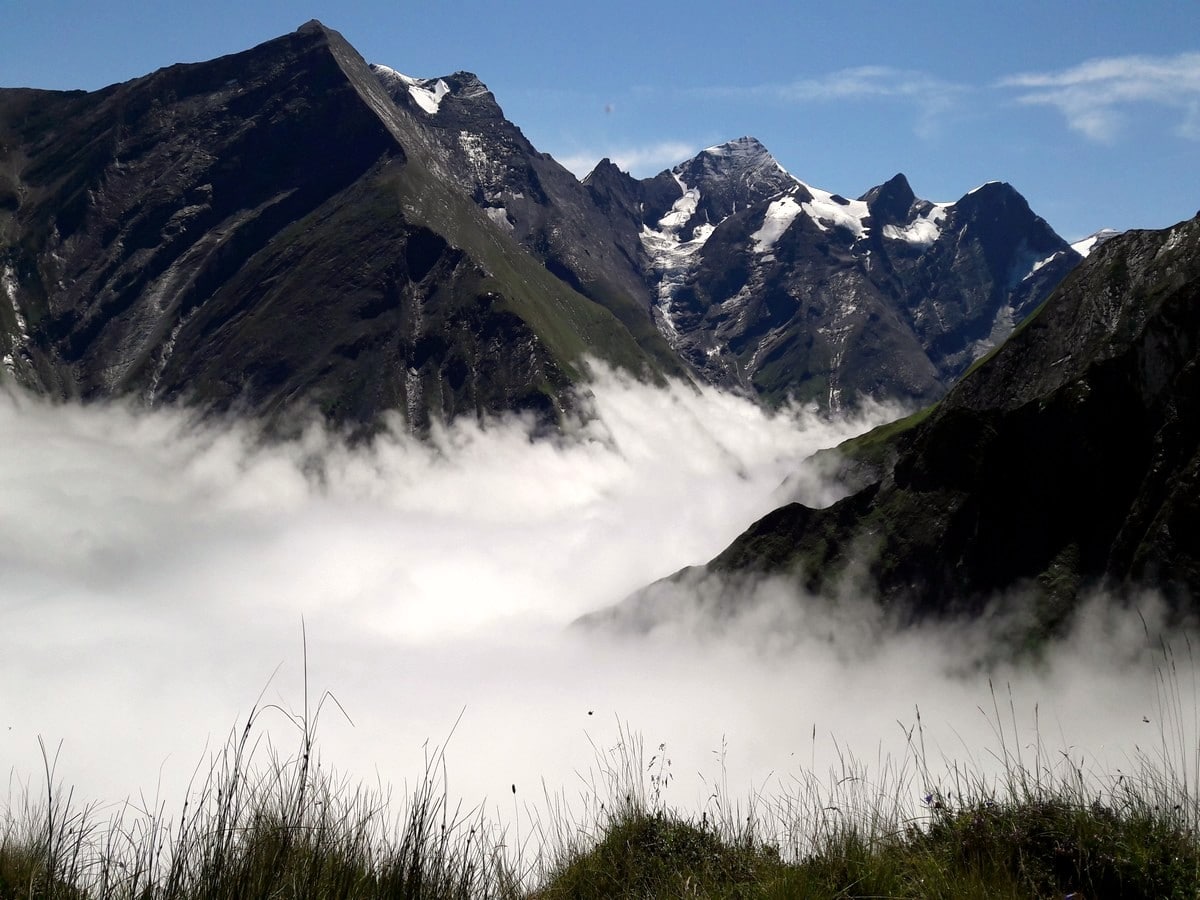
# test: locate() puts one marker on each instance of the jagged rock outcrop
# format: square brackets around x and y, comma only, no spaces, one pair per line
[267,230]
[783,289]
[289,227]
[1068,460]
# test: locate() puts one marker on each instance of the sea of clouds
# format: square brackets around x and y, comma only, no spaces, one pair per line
[161,574]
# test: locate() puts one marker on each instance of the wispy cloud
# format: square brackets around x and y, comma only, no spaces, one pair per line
[645,160]
[1095,95]
[930,96]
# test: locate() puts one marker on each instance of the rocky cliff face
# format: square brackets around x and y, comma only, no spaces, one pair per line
[783,289]
[265,230]
[290,227]
[1068,460]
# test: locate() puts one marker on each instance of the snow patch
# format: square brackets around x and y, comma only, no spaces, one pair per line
[1042,263]
[1092,241]
[825,211]
[165,357]
[412,398]
[923,230]
[427,93]
[673,255]
[780,215]
[429,98]
[8,284]
[682,209]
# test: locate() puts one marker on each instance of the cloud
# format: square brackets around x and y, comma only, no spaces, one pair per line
[156,570]
[1094,96]
[642,161]
[931,96]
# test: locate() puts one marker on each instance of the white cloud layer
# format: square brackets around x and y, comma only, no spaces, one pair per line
[930,96]
[1094,96]
[154,572]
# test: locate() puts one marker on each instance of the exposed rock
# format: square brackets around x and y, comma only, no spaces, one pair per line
[1068,460]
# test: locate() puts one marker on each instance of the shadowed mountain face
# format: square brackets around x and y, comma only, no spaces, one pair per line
[1069,459]
[289,227]
[770,284]
[266,229]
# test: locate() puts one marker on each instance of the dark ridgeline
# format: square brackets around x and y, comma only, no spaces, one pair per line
[1067,461]
[269,230]
[289,227]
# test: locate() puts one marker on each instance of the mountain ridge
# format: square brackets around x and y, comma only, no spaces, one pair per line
[143,226]
[125,280]
[1067,462]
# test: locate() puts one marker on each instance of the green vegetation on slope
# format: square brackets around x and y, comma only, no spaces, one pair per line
[290,829]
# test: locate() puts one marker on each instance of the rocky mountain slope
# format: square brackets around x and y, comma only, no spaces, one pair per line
[768,283]
[1068,460]
[268,229]
[289,227]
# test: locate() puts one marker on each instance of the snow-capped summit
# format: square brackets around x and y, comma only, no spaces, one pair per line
[1094,240]
[427,93]
[731,176]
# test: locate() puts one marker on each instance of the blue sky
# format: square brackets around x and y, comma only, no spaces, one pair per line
[1091,110]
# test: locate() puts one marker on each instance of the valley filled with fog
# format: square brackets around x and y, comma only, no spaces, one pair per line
[160,573]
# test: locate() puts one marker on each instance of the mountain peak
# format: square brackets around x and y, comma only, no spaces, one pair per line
[742,147]
[732,176]
[428,93]
[891,201]
[606,170]
[743,154]
[312,26]
[467,85]
[1094,240]
[991,190]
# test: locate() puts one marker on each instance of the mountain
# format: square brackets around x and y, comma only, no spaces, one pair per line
[271,229]
[1069,460]
[289,227]
[530,196]
[767,283]
[1093,240]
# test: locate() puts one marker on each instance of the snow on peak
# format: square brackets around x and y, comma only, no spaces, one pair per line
[743,147]
[1089,243]
[429,98]
[681,210]
[674,254]
[1041,263]
[924,229]
[780,215]
[427,93]
[744,154]
[826,209]
[981,187]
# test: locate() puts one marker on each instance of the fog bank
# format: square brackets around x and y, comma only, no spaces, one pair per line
[155,571]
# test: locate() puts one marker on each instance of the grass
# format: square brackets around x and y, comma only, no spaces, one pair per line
[261,824]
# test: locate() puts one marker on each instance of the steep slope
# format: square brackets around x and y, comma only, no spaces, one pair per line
[528,194]
[1069,459]
[771,284]
[265,230]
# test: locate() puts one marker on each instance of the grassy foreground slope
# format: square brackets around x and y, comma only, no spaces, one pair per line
[287,828]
